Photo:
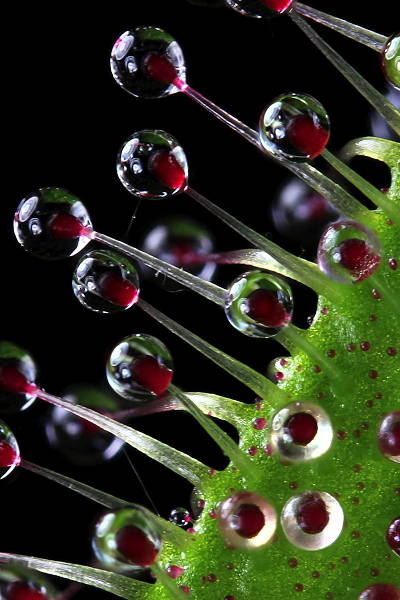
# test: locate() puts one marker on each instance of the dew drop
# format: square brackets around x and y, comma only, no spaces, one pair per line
[145,61]
[391,60]
[348,252]
[105,282]
[380,591]
[393,535]
[17,378]
[151,164]
[389,436]
[258,304]
[180,516]
[9,451]
[247,521]
[51,223]
[139,367]
[260,8]
[295,127]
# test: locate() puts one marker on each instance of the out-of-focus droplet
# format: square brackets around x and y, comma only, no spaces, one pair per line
[17,378]
[391,60]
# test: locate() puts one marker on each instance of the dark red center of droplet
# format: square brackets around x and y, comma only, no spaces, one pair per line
[8,456]
[12,380]
[183,253]
[393,535]
[118,290]
[166,169]
[64,226]
[158,67]
[389,439]
[380,591]
[136,546]
[302,428]
[277,5]
[307,136]
[22,591]
[264,307]
[248,520]
[312,515]
[151,375]
[357,257]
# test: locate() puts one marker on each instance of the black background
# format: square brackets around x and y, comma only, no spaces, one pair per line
[64,119]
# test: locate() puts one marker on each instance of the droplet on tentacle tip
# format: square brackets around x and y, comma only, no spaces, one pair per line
[299,213]
[197,503]
[151,164]
[300,432]
[380,591]
[80,441]
[391,60]
[259,304]
[125,541]
[139,368]
[247,521]
[18,374]
[105,282]
[180,517]
[183,243]
[135,53]
[260,8]
[295,127]
[348,252]
[51,223]
[9,451]
[312,520]
[389,436]
[24,590]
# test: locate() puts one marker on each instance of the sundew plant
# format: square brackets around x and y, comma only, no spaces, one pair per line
[225,203]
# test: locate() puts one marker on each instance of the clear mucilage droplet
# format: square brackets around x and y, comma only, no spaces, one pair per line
[106,282]
[139,368]
[17,378]
[25,590]
[181,242]
[145,61]
[180,517]
[380,591]
[151,164]
[260,8]
[348,252]
[125,541]
[300,432]
[78,440]
[295,127]
[301,214]
[391,60]
[312,520]
[51,223]
[259,304]
[9,451]
[247,521]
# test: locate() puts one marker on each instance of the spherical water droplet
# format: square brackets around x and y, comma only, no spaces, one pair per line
[301,432]
[247,521]
[391,60]
[258,304]
[348,252]
[9,452]
[180,516]
[140,367]
[181,242]
[380,591]
[312,520]
[197,503]
[17,378]
[24,590]
[393,535]
[51,223]
[295,127]
[260,8]
[300,214]
[145,61]
[125,541]
[151,164]
[78,440]
[105,282]
[389,436]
